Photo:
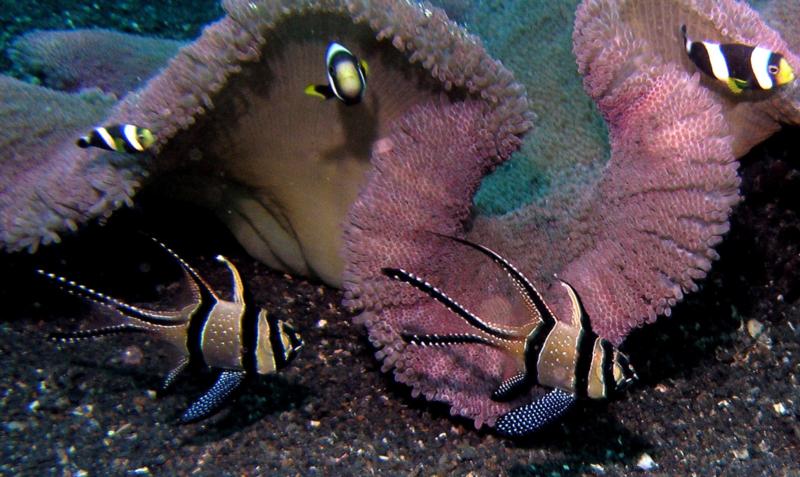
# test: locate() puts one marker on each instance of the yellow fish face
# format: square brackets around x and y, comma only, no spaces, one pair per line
[785,73]
[146,138]
[348,79]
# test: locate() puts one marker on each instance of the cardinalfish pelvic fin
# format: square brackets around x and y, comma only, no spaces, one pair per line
[565,356]
[740,67]
[118,138]
[234,337]
[347,76]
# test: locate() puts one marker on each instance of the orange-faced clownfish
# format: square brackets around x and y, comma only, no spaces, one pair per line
[119,138]
[347,76]
[740,67]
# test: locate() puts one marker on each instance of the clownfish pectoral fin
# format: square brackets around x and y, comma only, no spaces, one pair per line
[511,387]
[364,67]
[527,419]
[321,91]
[170,378]
[214,398]
[736,85]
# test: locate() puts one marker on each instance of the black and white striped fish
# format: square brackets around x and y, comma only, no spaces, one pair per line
[235,337]
[119,138]
[566,356]
[740,67]
[347,76]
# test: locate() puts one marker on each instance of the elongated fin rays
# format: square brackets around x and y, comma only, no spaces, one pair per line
[596,368]
[235,337]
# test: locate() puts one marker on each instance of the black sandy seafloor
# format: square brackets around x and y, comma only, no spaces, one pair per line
[718,395]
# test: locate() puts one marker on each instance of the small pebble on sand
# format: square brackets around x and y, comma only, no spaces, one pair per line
[645,462]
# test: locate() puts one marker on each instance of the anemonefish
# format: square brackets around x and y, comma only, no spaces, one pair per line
[119,138]
[347,76]
[740,67]
[235,338]
[562,354]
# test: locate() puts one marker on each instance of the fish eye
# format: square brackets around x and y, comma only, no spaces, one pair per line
[624,373]
[331,70]
[773,69]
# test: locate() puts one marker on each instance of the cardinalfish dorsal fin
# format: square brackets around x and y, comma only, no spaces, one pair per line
[144,315]
[578,314]
[238,286]
[530,295]
[197,278]
[452,305]
[80,335]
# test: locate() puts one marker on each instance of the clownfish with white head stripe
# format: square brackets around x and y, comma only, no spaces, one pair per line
[118,138]
[740,67]
[347,76]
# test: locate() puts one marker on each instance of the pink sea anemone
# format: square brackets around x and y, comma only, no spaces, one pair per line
[632,242]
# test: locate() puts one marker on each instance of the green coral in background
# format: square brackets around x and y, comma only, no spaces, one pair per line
[536,44]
